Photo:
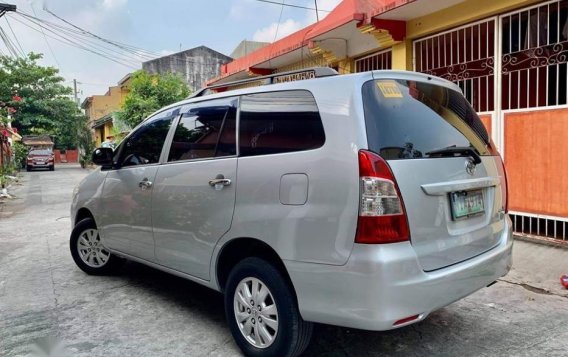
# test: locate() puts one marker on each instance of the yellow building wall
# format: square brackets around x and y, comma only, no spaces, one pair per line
[102,105]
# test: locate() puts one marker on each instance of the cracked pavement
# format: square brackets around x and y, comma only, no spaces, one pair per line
[45,299]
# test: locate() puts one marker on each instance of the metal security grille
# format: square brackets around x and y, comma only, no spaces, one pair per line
[376,61]
[466,56]
[535,55]
[538,226]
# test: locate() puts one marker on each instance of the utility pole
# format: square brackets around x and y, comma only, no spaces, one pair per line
[75,92]
[4,8]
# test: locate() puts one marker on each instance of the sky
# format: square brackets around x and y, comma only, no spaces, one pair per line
[163,27]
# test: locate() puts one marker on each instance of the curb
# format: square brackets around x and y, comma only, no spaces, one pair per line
[551,242]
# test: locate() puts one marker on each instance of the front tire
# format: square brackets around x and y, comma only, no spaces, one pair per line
[28,168]
[262,311]
[52,168]
[88,252]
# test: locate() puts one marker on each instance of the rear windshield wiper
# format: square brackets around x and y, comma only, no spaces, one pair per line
[457,150]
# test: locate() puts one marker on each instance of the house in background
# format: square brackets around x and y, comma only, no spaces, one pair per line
[196,66]
[246,47]
[99,109]
[509,57]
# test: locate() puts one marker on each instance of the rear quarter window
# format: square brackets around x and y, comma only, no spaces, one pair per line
[408,119]
[279,122]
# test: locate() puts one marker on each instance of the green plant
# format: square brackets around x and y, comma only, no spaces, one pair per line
[7,172]
[20,153]
[150,92]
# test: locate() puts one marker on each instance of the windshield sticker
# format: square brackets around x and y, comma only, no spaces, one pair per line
[389,89]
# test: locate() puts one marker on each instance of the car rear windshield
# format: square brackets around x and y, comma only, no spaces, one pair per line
[409,119]
[40,152]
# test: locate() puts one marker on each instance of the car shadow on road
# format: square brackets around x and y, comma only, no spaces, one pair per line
[431,336]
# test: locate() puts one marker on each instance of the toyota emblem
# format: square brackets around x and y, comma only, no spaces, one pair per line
[470,167]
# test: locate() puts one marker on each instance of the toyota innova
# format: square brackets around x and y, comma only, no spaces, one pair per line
[366,200]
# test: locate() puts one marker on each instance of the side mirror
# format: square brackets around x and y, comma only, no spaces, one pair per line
[103,157]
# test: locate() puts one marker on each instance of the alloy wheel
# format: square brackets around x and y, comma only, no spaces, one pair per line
[256,313]
[91,251]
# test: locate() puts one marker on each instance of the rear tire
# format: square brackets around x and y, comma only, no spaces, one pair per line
[283,332]
[88,252]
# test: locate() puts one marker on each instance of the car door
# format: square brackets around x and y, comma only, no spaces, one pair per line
[194,192]
[127,192]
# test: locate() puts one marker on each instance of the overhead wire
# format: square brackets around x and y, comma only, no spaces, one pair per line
[121,51]
[89,41]
[79,36]
[67,41]
[292,5]
[12,49]
[15,37]
[116,43]
[48,45]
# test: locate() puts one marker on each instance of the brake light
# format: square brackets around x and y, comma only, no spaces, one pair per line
[382,217]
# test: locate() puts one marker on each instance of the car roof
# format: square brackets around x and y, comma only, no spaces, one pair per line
[311,85]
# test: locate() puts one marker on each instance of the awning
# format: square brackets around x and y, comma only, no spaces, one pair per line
[102,121]
[351,20]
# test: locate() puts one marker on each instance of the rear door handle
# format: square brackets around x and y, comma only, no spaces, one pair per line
[224,182]
[145,184]
[219,182]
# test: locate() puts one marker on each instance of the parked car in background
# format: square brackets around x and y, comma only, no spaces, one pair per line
[40,159]
[367,201]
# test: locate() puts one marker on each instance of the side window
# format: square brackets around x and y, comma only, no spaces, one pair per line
[144,146]
[207,130]
[279,122]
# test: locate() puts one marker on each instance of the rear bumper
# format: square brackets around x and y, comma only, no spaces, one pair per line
[381,284]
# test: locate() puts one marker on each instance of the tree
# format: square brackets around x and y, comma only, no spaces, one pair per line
[150,92]
[38,100]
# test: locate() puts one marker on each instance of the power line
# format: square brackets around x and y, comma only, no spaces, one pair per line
[69,42]
[118,44]
[15,37]
[10,46]
[120,51]
[47,42]
[292,5]
[279,20]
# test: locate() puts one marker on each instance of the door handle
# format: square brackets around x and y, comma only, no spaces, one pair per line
[145,184]
[219,182]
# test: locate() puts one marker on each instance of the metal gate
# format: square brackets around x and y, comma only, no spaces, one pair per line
[464,55]
[534,105]
[375,61]
[513,69]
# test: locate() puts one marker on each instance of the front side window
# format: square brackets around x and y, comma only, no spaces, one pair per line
[279,122]
[144,146]
[207,130]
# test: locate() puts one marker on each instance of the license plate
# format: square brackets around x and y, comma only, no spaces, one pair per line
[466,204]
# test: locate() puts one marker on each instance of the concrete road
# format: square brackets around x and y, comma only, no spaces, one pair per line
[45,299]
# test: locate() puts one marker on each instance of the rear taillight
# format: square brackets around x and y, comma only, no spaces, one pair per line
[382,217]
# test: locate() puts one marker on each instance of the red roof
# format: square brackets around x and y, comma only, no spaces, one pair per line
[348,10]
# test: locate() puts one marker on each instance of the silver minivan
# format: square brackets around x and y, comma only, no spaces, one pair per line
[366,200]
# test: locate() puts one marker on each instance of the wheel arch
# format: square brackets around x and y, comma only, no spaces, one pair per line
[83,213]
[238,249]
